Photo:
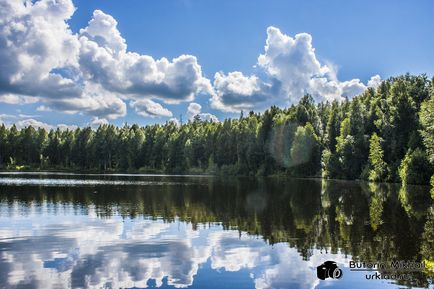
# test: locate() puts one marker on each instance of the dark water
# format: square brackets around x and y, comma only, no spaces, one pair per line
[96,231]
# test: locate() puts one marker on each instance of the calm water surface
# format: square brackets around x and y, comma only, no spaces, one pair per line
[125,231]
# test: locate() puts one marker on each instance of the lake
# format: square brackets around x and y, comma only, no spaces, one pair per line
[147,231]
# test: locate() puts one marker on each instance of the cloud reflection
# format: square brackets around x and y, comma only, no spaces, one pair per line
[67,250]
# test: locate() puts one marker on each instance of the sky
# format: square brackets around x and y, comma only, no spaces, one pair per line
[67,63]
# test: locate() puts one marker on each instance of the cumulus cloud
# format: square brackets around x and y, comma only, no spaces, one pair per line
[235,91]
[205,116]
[22,121]
[89,72]
[39,60]
[35,39]
[96,122]
[375,81]
[175,121]
[291,69]
[147,107]
[32,122]
[63,126]
[105,60]
[194,109]
[102,30]
[92,72]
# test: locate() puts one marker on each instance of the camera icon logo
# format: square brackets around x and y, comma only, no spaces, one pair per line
[328,269]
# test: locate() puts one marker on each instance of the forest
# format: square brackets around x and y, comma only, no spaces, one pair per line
[383,135]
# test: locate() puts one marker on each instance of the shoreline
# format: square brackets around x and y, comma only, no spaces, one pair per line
[162,174]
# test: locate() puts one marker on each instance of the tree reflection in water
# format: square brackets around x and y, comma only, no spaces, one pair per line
[370,222]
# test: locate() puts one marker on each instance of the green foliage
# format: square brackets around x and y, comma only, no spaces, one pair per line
[432,187]
[305,151]
[427,121]
[346,152]
[330,165]
[376,162]
[333,126]
[365,137]
[415,168]
[344,132]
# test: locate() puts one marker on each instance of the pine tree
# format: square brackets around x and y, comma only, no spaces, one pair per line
[377,165]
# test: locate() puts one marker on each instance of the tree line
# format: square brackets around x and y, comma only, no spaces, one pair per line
[384,134]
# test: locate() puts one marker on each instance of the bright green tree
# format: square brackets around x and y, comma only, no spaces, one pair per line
[305,151]
[376,154]
[415,168]
[427,121]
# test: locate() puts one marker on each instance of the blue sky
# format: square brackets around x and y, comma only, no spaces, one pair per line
[345,41]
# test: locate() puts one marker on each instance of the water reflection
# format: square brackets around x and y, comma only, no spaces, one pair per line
[207,232]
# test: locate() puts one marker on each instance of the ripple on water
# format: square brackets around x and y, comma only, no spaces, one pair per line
[78,182]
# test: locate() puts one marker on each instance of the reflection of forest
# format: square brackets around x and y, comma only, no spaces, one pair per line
[371,222]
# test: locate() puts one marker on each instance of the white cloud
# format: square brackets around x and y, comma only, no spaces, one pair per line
[63,126]
[43,108]
[23,122]
[149,108]
[96,122]
[39,56]
[128,253]
[90,72]
[104,59]
[35,39]
[5,117]
[32,122]
[195,109]
[290,60]
[293,62]
[17,99]
[291,70]
[205,116]
[236,91]
[102,29]
[175,121]
[375,81]
[98,102]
